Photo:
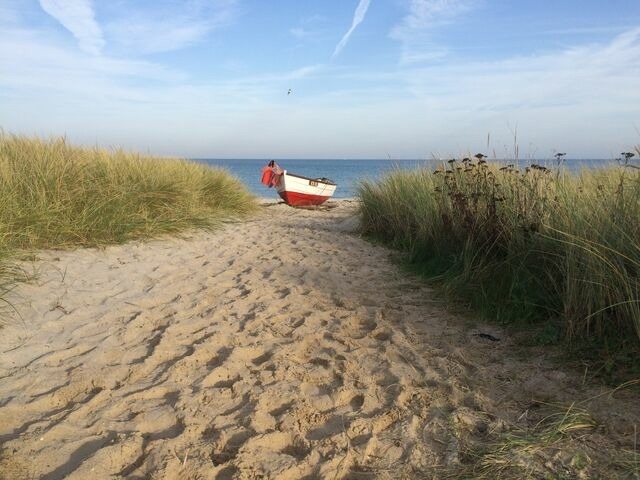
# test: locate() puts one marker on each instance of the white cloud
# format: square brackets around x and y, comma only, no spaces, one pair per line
[581,99]
[147,36]
[40,67]
[426,13]
[358,16]
[597,74]
[167,26]
[78,17]
[414,29]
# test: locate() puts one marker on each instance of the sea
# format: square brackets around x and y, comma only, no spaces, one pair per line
[348,174]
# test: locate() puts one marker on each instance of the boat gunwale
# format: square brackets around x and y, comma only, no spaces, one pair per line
[329,182]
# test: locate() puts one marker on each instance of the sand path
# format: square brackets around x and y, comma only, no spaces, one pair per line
[283,347]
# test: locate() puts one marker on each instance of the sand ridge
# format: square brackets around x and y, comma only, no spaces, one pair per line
[283,347]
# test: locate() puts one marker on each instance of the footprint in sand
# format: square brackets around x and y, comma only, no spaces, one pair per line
[357,402]
[283,293]
[279,411]
[381,334]
[359,326]
[264,456]
[296,322]
[231,444]
[322,362]
[219,358]
[226,383]
[260,359]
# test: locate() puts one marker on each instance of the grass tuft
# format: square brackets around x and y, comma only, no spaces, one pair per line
[629,463]
[550,448]
[522,246]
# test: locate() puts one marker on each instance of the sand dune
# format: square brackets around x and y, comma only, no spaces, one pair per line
[284,347]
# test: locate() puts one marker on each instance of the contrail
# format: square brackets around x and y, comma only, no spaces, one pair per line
[358,16]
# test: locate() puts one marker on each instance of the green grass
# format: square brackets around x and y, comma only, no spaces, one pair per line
[54,195]
[522,247]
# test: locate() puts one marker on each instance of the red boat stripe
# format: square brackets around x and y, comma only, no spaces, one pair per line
[301,199]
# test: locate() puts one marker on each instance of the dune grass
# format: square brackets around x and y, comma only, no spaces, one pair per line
[523,246]
[55,195]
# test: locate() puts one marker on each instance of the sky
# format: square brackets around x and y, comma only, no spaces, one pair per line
[367,78]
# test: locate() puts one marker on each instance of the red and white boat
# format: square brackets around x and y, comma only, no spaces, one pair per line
[297,190]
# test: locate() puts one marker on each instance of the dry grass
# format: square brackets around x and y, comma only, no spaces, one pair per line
[629,464]
[523,245]
[54,195]
[551,447]
[513,452]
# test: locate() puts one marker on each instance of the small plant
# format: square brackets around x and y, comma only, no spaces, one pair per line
[560,157]
[529,452]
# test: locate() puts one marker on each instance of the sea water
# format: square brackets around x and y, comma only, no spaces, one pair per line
[348,174]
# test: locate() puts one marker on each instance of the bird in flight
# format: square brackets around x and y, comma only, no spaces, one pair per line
[289,92]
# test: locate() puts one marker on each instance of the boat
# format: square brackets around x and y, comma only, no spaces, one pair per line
[297,190]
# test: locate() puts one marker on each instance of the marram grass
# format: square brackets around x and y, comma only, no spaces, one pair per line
[522,246]
[54,195]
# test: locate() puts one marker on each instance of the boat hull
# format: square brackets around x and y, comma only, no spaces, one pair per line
[302,191]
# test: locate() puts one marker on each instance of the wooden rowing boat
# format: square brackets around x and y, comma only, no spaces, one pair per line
[297,190]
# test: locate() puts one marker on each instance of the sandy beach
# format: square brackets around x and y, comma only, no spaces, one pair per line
[282,347]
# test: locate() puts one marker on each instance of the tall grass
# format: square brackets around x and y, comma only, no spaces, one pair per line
[55,195]
[522,246]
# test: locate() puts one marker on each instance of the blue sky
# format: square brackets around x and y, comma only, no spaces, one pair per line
[369,78]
